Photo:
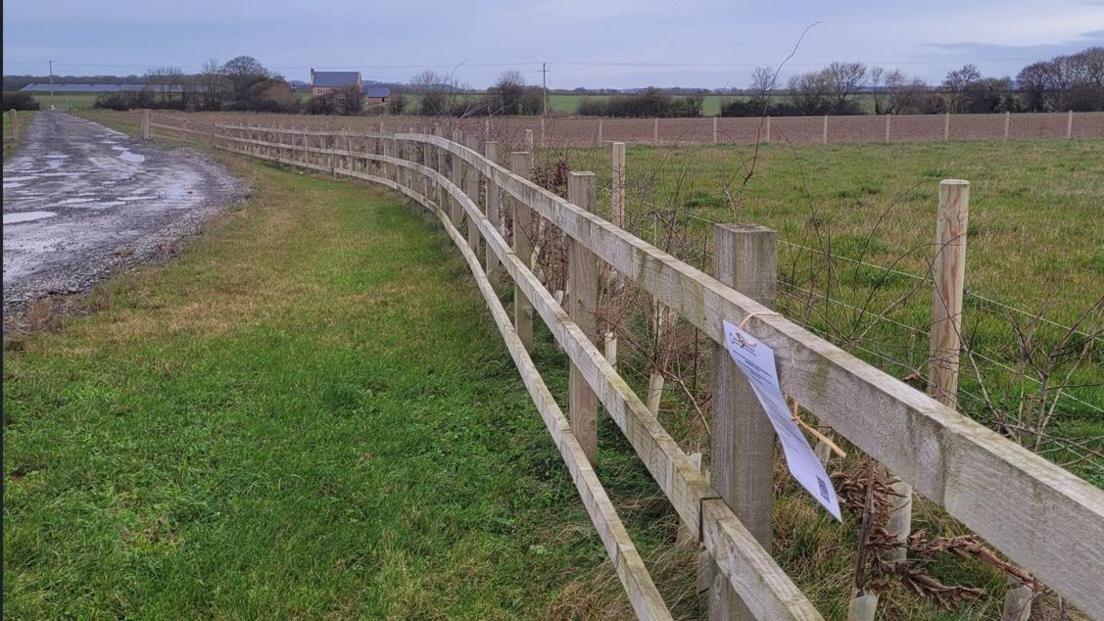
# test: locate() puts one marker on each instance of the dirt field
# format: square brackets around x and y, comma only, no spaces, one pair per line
[81,199]
[587,131]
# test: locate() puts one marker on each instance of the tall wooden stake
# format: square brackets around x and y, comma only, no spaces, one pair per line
[617,194]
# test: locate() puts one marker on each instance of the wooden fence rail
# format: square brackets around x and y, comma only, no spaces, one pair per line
[1041,516]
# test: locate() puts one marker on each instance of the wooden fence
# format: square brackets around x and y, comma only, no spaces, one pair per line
[1042,517]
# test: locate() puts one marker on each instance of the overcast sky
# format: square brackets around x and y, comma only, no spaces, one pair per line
[593,43]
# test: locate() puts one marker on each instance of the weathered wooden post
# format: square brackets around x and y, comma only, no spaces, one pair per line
[617,194]
[888,117]
[742,458]
[583,308]
[471,188]
[456,212]
[523,248]
[494,214]
[1007,123]
[655,131]
[1069,125]
[145,125]
[600,137]
[768,130]
[946,126]
[824,138]
[949,275]
[714,130]
[14,124]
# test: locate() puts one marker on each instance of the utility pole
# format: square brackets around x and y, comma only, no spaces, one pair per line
[544,79]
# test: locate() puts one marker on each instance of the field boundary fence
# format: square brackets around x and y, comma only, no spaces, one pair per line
[527,132]
[1039,515]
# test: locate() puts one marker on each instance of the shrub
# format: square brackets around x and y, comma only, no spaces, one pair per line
[19,101]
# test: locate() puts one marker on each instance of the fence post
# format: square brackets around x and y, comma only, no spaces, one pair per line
[888,117]
[456,212]
[714,130]
[494,214]
[14,124]
[523,248]
[768,130]
[1069,125]
[543,142]
[471,188]
[742,458]
[824,139]
[655,132]
[530,146]
[617,194]
[582,266]
[145,125]
[948,275]
[600,137]
[1007,123]
[946,126]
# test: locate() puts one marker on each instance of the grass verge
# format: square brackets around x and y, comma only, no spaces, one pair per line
[308,414]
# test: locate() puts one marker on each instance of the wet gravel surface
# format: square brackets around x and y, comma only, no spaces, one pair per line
[81,200]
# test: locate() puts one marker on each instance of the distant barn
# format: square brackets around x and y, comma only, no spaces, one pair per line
[323,82]
[377,94]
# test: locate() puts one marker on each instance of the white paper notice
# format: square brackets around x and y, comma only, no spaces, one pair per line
[756,360]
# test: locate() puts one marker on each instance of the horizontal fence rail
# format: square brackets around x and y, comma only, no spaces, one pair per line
[1039,515]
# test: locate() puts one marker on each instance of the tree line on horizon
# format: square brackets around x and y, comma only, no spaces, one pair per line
[1070,82]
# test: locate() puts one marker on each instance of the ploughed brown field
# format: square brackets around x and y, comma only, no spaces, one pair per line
[588,131]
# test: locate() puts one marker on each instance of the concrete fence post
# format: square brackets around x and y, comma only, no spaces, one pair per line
[523,248]
[583,309]
[742,458]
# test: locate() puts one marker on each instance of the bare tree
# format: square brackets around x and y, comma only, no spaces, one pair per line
[958,83]
[762,84]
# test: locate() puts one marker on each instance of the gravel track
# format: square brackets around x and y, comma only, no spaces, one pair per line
[81,200]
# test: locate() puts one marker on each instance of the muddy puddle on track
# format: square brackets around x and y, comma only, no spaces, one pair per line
[81,199]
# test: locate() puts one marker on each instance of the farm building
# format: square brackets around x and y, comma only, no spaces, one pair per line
[323,82]
[376,94]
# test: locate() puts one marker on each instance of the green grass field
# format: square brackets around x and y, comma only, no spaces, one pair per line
[1036,242]
[67,101]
